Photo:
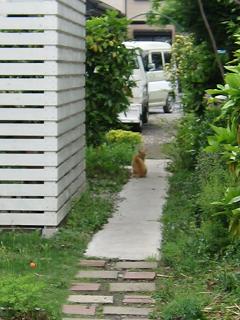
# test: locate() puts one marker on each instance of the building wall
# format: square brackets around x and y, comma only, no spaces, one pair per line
[117,4]
[138,7]
[42,134]
[131,7]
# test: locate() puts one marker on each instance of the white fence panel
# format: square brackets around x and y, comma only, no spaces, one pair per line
[42,110]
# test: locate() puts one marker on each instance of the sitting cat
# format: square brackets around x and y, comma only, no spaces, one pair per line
[139,168]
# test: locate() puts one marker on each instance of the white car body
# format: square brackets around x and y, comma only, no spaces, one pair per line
[138,108]
[157,54]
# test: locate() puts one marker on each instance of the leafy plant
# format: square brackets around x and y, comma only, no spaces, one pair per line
[191,65]
[183,307]
[223,136]
[229,207]
[109,66]
[123,136]
[22,296]
[108,159]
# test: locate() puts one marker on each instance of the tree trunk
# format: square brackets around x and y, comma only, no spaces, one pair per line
[211,36]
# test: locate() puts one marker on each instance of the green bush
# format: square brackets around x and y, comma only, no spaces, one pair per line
[109,66]
[183,307]
[191,138]
[123,136]
[192,66]
[21,297]
[108,159]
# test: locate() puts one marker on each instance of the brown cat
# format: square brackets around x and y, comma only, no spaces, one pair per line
[139,168]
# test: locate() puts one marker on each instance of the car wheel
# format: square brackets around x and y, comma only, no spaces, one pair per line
[138,126]
[168,108]
[145,115]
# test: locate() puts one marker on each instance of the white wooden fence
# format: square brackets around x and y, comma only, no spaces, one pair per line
[42,134]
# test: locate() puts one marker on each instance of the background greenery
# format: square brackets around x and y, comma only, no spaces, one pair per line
[109,66]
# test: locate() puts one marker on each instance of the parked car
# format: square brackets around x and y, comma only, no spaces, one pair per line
[137,113]
[155,55]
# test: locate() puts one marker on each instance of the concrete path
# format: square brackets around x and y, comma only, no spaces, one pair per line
[134,231]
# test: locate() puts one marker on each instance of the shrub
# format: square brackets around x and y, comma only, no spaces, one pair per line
[107,160]
[109,66]
[123,136]
[192,65]
[21,298]
[183,308]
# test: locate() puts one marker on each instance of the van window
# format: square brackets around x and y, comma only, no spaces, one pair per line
[145,62]
[136,63]
[157,60]
[167,57]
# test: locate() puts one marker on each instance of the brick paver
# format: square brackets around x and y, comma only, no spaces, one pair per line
[139,275]
[98,274]
[93,263]
[85,287]
[135,265]
[138,299]
[132,287]
[90,299]
[115,289]
[79,310]
[127,311]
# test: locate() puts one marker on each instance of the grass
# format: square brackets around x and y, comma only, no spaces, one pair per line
[56,258]
[194,283]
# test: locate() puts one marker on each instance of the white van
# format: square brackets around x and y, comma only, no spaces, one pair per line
[137,113]
[155,55]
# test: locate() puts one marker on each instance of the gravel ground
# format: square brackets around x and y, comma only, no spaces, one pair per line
[160,129]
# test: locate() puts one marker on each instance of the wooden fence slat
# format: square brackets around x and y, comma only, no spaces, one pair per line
[46,174]
[48,68]
[28,114]
[28,159]
[22,219]
[26,7]
[28,190]
[47,204]
[28,144]
[51,84]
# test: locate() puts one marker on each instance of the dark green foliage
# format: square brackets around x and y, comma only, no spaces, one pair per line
[21,296]
[221,14]
[183,307]
[109,66]
[108,159]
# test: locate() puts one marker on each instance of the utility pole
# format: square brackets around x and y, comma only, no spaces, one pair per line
[126,9]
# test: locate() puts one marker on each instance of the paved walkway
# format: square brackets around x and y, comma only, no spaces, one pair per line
[121,285]
[112,291]
[134,231]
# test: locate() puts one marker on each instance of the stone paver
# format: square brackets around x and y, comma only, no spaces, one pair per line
[93,263]
[139,275]
[98,274]
[85,287]
[79,310]
[132,287]
[127,311]
[90,299]
[127,318]
[138,299]
[136,265]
